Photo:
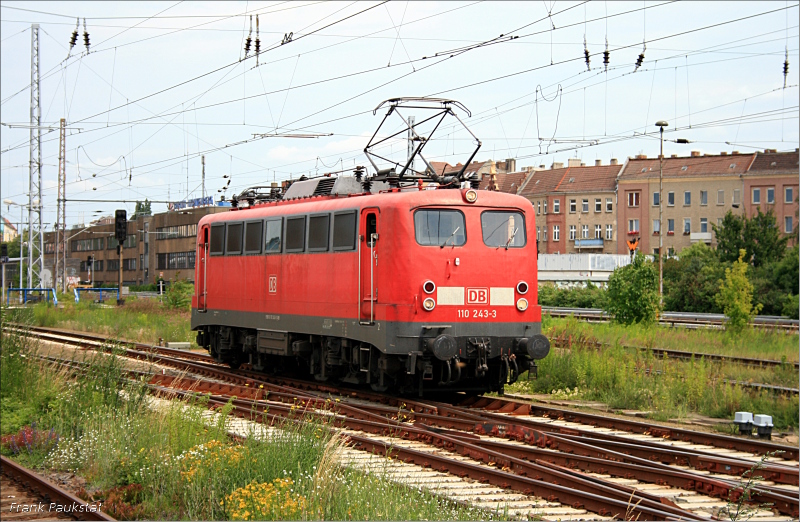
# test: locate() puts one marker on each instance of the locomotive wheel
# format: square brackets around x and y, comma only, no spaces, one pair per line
[378,388]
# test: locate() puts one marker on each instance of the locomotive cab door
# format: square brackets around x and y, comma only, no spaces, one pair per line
[202,280]
[368,241]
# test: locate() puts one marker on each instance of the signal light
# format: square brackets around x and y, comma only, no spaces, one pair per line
[471,196]
[429,304]
[522,304]
[428,287]
[121,225]
[522,287]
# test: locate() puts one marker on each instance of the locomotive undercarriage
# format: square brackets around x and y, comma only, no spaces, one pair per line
[475,368]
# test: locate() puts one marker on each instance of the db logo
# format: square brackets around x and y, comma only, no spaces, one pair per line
[477,295]
[273,284]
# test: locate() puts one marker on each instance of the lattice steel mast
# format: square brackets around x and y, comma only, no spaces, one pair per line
[61,214]
[35,237]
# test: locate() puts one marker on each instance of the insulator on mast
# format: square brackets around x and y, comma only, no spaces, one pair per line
[249,38]
[258,40]
[640,59]
[606,56]
[586,53]
[74,39]
[85,36]
[785,67]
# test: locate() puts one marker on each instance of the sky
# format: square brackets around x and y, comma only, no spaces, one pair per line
[165,83]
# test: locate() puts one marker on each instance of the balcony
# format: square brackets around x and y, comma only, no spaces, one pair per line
[705,237]
[589,243]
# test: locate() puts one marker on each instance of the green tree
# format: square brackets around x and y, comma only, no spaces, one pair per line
[775,285]
[632,295]
[736,296]
[691,282]
[759,236]
[142,209]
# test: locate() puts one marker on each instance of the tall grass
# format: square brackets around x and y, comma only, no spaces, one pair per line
[175,462]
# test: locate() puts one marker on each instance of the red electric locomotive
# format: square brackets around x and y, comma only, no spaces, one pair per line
[376,282]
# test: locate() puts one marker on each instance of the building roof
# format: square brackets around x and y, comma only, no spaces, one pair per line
[776,162]
[509,183]
[8,224]
[600,178]
[639,168]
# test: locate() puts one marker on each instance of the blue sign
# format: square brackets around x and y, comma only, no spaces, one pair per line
[197,202]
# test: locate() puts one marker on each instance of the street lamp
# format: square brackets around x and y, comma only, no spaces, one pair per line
[661,124]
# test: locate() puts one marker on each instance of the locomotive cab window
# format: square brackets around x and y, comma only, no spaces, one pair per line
[318,231]
[272,237]
[503,229]
[344,231]
[217,247]
[233,244]
[440,228]
[252,237]
[295,236]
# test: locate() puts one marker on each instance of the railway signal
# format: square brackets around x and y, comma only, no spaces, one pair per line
[121,233]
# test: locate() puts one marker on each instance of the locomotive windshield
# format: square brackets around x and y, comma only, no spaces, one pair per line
[437,227]
[503,229]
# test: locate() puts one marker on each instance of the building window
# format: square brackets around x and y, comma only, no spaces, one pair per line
[656,226]
[111,266]
[687,225]
[789,195]
[573,206]
[176,231]
[585,205]
[129,265]
[544,233]
[670,199]
[609,205]
[538,207]
[736,196]
[556,233]
[598,205]
[703,197]
[703,225]
[656,199]
[598,231]
[545,206]
[719,222]
[720,197]
[770,195]
[670,226]
[787,224]
[633,199]
[756,196]
[609,232]
[687,198]
[556,206]
[572,232]
[585,231]
[538,230]
[633,225]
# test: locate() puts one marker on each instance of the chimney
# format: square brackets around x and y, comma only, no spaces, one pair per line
[598,162]
[574,162]
[735,152]
[641,156]
[723,153]
[695,153]
[613,161]
[557,165]
[511,165]
[542,166]
[673,155]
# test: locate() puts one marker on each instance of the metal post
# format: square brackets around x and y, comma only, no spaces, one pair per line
[21,285]
[119,294]
[61,217]
[661,220]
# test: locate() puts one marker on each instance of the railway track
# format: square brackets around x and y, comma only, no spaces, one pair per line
[28,496]
[579,461]
[683,319]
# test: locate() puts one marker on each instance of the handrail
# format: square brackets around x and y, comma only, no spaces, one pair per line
[25,294]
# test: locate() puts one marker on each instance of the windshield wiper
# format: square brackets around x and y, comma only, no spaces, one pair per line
[512,237]
[449,238]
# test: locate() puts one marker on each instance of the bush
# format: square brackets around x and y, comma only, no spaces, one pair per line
[736,296]
[589,296]
[179,295]
[632,295]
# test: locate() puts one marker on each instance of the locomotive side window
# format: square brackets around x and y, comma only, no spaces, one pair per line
[233,245]
[440,227]
[272,239]
[252,237]
[318,232]
[344,231]
[295,234]
[503,229]
[217,239]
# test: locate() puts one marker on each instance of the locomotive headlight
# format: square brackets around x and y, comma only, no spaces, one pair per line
[428,287]
[522,287]
[522,304]
[471,196]
[429,304]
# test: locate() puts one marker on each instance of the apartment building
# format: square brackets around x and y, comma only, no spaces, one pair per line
[575,207]
[698,191]
[162,245]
